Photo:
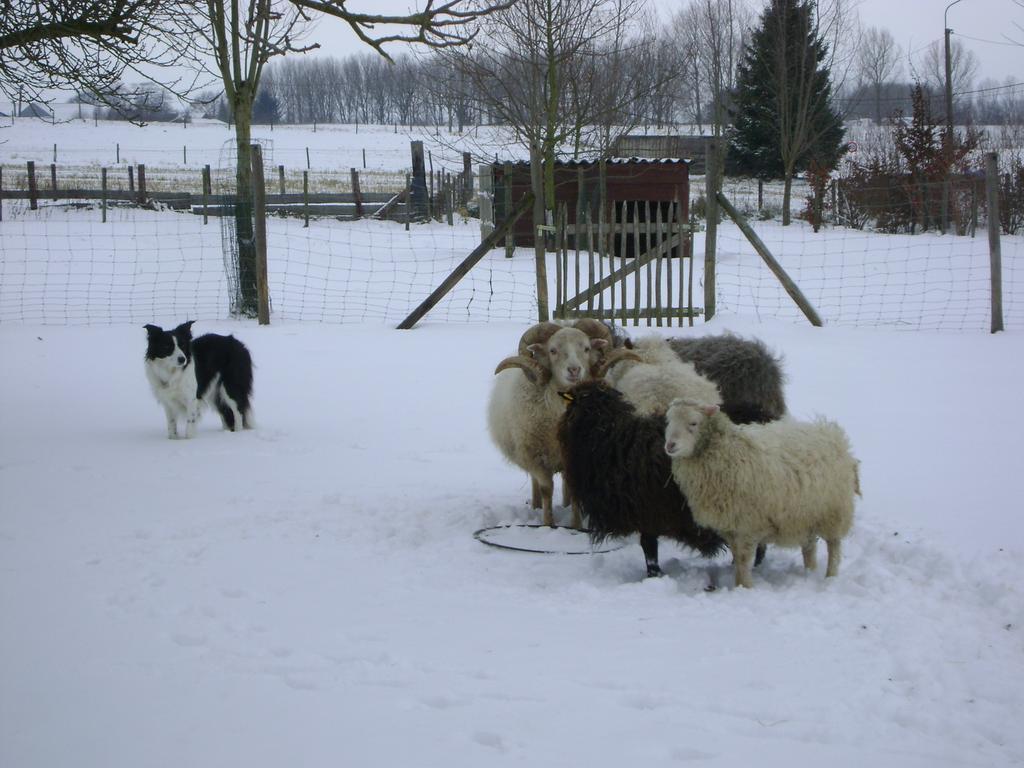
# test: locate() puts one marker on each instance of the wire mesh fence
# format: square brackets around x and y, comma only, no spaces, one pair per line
[911,255]
[63,264]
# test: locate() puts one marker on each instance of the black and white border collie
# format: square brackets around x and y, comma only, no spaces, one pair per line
[185,372]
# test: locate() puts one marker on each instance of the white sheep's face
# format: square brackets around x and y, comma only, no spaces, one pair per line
[683,422]
[567,355]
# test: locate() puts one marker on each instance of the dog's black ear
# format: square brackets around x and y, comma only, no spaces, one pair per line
[185,328]
[153,329]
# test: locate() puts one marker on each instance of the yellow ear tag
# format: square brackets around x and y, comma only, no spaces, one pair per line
[567,396]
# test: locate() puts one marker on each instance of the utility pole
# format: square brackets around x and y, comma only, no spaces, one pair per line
[949,76]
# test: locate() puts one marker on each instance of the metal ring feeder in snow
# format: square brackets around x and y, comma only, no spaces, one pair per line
[483,536]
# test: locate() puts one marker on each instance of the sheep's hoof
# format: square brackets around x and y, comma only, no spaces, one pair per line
[654,571]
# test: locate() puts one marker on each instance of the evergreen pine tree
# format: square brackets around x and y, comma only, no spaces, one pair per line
[782,118]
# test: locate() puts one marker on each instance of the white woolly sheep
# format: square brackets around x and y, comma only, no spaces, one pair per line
[785,483]
[525,406]
[651,383]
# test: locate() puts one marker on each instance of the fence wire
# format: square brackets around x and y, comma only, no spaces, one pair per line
[928,267]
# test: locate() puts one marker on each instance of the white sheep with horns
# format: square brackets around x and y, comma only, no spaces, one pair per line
[785,482]
[656,376]
[525,406]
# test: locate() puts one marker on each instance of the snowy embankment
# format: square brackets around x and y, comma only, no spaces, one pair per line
[310,593]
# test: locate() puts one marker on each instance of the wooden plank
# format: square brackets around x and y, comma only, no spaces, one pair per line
[467,264]
[645,313]
[590,258]
[787,282]
[622,263]
[386,209]
[658,237]
[559,276]
[618,275]
[636,275]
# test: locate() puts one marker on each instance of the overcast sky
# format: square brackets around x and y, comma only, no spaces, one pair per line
[981,25]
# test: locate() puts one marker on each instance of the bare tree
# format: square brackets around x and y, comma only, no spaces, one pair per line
[551,68]
[878,62]
[445,25]
[964,68]
[715,32]
[89,46]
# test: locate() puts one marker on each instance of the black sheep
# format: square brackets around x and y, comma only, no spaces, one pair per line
[617,469]
[748,376]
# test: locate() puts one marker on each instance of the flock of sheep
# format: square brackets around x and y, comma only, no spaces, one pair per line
[683,438]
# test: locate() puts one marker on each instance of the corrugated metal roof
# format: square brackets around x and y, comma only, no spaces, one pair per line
[612,160]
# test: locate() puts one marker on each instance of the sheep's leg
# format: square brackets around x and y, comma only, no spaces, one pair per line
[535,501]
[649,544]
[835,552]
[577,515]
[810,553]
[546,488]
[566,494]
[742,558]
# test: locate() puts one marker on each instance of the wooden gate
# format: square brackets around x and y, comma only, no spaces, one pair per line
[634,265]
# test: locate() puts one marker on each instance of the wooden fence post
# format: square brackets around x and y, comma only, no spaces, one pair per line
[510,235]
[103,189]
[207,188]
[280,177]
[994,249]
[539,254]
[408,200]
[53,180]
[305,198]
[131,179]
[356,194]
[467,178]
[486,200]
[1,193]
[33,191]
[712,185]
[142,184]
[418,190]
[259,212]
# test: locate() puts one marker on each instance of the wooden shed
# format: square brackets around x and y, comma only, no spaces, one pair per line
[634,189]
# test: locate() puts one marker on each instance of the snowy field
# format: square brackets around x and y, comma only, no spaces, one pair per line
[310,592]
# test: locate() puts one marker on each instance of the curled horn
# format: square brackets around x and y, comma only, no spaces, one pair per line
[534,371]
[616,356]
[595,329]
[537,334]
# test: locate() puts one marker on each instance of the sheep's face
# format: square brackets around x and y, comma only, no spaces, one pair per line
[683,422]
[567,354]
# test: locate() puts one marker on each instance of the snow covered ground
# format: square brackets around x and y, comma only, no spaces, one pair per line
[310,593]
